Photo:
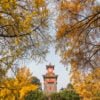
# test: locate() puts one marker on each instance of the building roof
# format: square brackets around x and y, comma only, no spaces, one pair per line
[50,66]
[50,74]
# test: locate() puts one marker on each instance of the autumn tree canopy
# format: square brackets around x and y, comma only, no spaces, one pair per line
[17,87]
[88,86]
[23,34]
[78,42]
[23,25]
[78,33]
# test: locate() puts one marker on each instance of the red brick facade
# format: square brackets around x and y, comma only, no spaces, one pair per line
[50,80]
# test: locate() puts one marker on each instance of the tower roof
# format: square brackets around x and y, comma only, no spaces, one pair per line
[50,66]
[50,74]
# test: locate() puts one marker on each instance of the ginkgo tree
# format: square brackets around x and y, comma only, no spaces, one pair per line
[16,88]
[78,28]
[88,86]
[78,42]
[23,25]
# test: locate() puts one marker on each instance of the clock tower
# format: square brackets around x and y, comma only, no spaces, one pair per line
[50,80]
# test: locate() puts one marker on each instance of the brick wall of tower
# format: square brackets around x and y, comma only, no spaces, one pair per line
[50,80]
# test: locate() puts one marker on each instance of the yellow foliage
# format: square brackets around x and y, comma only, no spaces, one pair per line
[26,89]
[78,44]
[62,30]
[39,3]
[19,18]
[8,4]
[87,86]
[17,87]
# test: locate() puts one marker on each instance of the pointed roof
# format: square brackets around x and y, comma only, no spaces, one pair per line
[50,66]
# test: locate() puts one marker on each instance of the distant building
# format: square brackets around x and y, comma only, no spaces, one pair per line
[50,80]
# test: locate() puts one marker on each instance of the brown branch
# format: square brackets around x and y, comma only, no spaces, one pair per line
[19,35]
